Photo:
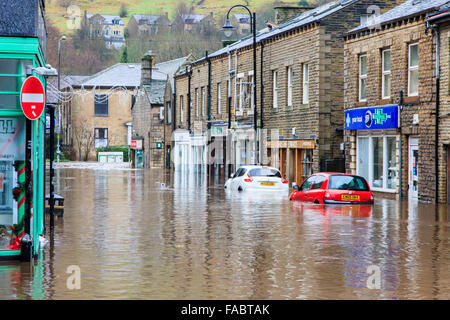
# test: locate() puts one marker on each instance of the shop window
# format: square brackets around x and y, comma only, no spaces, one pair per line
[376,161]
[307,163]
[12,75]
[363,78]
[101,104]
[413,70]
[386,70]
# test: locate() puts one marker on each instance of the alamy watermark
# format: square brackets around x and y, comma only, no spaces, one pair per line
[74,280]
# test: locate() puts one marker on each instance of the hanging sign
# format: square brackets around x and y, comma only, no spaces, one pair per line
[32,98]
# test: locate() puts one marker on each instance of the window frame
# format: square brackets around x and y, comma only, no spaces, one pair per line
[305,83]
[181,109]
[275,88]
[385,73]
[219,98]
[107,105]
[362,77]
[414,68]
[289,85]
[203,101]
[168,112]
[196,103]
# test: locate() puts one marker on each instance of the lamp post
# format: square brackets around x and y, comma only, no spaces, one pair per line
[59,89]
[228,31]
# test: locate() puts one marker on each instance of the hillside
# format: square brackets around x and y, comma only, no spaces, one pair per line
[57,12]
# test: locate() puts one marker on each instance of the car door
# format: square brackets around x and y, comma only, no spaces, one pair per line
[316,193]
[302,193]
[234,179]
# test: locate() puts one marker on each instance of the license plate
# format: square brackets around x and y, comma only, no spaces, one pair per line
[349,197]
[271,184]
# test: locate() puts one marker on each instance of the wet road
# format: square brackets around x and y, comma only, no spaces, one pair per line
[142,234]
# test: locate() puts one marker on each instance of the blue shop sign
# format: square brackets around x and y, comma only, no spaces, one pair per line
[381,117]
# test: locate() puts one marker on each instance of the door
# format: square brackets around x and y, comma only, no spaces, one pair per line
[413,181]
[303,192]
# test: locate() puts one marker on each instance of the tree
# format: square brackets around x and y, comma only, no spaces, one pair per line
[123,11]
[303,3]
[124,57]
[83,138]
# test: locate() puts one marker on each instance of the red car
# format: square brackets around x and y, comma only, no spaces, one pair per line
[333,188]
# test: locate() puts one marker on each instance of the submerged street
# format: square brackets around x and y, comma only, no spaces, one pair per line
[144,234]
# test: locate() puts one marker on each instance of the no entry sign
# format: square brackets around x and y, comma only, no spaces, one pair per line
[32,98]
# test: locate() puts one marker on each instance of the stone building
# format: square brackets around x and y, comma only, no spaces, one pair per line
[299,93]
[438,24]
[110,28]
[143,25]
[153,111]
[195,23]
[100,112]
[390,102]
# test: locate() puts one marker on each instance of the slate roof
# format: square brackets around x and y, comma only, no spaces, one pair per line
[129,74]
[148,18]
[66,81]
[195,18]
[305,18]
[242,18]
[108,18]
[155,92]
[406,9]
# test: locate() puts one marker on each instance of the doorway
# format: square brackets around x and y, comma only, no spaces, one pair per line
[413,157]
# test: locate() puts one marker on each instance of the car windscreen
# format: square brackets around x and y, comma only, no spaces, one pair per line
[264,172]
[338,182]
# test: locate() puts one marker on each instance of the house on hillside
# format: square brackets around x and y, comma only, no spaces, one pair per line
[143,25]
[195,23]
[110,28]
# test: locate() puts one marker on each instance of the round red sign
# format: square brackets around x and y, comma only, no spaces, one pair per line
[32,98]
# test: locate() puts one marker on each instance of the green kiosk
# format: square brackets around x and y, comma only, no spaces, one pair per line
[22,49]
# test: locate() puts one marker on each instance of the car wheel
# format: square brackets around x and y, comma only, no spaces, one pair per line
[239,188]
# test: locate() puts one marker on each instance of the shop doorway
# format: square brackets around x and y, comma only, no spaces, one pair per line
[413,168]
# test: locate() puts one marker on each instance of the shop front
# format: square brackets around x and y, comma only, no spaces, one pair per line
[182,146]
[374,152]
[293,157]
[18,56]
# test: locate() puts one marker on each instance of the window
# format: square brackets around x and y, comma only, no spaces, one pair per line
[386,70]
[169,112]
[305,87]
[307,163]
[318,182]
[101,105]
[241,94]
[307,184]
[264,172]
[275,88]
[413,72]
[12,75]
[339,182]
[101,137]
[251,91]
[196,102]
[203,101]
[289,86]
[377,161]
[219,98]
[181,109]
[362,77]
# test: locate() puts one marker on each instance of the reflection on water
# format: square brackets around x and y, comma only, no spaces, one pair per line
[143,234]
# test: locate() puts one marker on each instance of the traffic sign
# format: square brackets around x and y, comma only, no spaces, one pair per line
[32,98]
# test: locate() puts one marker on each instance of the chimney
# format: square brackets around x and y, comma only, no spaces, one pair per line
[284,13]
[146,68]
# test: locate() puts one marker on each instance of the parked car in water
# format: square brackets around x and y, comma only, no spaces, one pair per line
[334,188]
[257,177]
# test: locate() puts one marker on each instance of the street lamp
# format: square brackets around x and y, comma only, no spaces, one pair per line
[228,30]
[59,89]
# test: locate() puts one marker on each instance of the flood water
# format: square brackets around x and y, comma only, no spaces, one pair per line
[145,234]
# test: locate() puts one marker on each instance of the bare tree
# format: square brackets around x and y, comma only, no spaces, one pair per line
[83,138]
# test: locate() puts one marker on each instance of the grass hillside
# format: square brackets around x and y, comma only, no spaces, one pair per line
[57,12]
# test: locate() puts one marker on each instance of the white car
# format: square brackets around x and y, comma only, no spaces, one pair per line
[257,178]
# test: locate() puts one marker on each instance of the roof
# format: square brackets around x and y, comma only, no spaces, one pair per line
[303,19]
[155,92]
[108,18]
[66,81]
[196,18]
[442,15]
[148,18]
[129,74]
[240,17]
[407,9]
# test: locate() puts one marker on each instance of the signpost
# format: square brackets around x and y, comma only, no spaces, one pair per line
[32,101]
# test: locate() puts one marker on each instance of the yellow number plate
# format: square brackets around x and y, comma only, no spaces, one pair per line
[271,184]
[349,197]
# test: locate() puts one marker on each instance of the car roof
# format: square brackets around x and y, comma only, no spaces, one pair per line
[256,166]
[335,173]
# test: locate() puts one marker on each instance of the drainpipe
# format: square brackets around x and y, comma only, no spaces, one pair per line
[262,86]
[400,150]
[174,107]
[189,73]
[209,90]
[229,90]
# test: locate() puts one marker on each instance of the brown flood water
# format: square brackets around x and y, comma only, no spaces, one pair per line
[135,238]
